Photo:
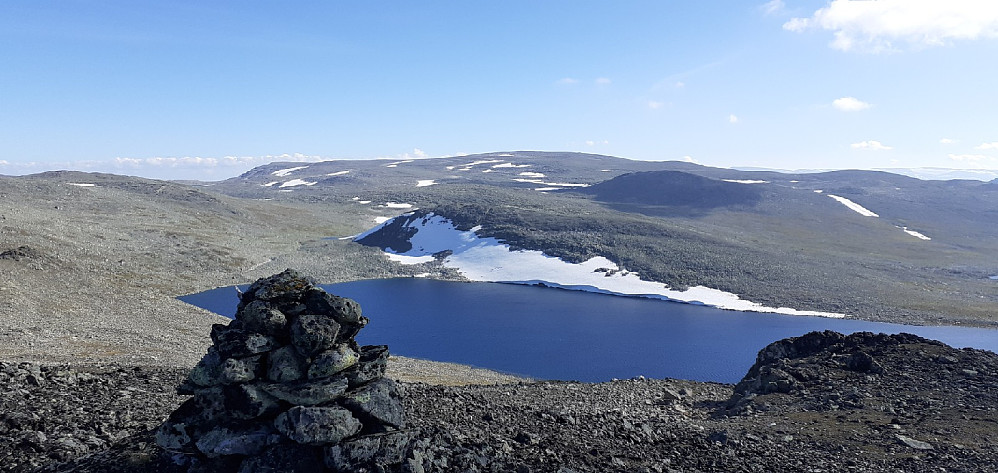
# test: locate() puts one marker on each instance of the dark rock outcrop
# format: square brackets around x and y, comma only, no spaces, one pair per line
[285,382]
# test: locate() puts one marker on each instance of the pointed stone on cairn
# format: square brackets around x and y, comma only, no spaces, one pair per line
[284,387]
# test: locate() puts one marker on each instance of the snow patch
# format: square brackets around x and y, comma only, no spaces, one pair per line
[285,172]
[485,161]
[338,173]
[396,163]
[426,183]
[378,220]
[397,205]
[532,174]
[993,278]
[818,191]
[604,170]
[298,182]
[545,189]
[745,181]
[489,260]
[270,184]
[915,234]
[403,259]
[549,184]
[363,202]
[511,165]
[81,184]
[854,206]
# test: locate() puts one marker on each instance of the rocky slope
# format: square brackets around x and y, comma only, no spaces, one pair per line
[821,402]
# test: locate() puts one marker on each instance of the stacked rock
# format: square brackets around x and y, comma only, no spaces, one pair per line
[285,387]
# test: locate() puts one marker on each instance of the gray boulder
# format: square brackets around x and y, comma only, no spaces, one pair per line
[225,441]
[317,425]
[332,361]
[308,393]
[285,365]
[259,317]
[314,333]
[377,403]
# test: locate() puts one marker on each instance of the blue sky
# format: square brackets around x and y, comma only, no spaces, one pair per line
[210,89]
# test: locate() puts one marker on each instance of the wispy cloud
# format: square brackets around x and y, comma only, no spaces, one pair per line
[772,7]
[872,145]
[655,105]
[732,118]
[597,142]
[677,80]
[884,25]
[991,145]
[948,141]
[567,81]
[850,104]
[603,81]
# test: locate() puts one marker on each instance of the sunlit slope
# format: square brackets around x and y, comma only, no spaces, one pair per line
[90,264]
[807,241]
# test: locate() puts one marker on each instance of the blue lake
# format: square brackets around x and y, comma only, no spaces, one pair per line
[557,334]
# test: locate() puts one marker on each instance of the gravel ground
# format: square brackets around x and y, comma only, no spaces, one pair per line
[822,402]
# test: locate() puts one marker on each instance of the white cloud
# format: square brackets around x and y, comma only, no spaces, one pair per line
[567,81]
[418,153]
[850,104]
[688,159]
[680,84]
[732,118]
[597,142]
[948,141]
[603,81]
[991,145]
[655,105]
[881,25]
[871,145]
[3,163]
[772,7]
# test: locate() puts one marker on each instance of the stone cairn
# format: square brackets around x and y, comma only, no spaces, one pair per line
[284,387]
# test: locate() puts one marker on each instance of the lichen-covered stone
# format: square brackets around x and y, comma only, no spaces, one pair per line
[286,285]
[259,317]
[343,309]
[372,365]
[210,404]
[377,403]
[233,342]
[333,361]
[208,371]
[228,441]
[239,370]
[368,451]
[248,401]
[314,333]
[317,425]
[308,393]
[285,365]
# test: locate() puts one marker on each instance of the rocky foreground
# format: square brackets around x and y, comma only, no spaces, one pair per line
[821,402]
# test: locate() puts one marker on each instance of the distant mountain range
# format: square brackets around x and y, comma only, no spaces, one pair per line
[938,174]
[872,244]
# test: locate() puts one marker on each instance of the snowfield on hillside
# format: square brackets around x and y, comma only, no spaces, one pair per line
[489,260]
